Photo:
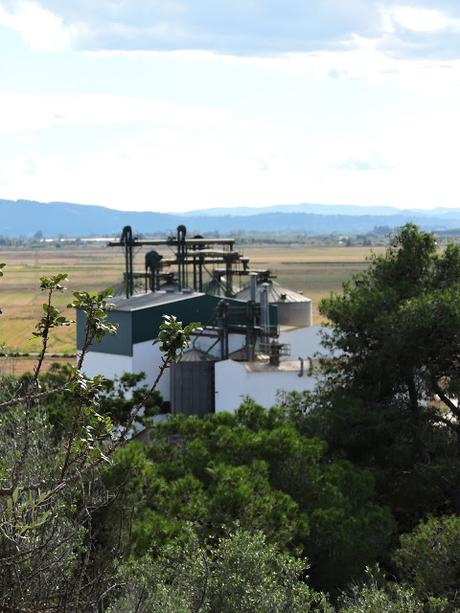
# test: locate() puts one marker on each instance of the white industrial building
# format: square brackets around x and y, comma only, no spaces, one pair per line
[230,380]
[255,343]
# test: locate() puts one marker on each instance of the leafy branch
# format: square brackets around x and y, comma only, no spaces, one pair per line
[51,318]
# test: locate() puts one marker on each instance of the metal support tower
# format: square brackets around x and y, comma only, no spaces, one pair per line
[127,241]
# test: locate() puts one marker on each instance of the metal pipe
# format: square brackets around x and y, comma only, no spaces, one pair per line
[253,285]
[200,274]
[126,241]
[173,242]
[188,262]
[265,309]
[228,278]
[181,256]
[301,367]
[222,322]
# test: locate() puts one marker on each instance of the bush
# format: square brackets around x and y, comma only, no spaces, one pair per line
[241,573]
[429,558]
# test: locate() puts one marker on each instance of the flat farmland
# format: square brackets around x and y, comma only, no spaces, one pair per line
[315,271]
[21,299]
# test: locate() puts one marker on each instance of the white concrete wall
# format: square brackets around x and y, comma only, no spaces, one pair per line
[234,382]
[147,358]
[304,342]
[108,365]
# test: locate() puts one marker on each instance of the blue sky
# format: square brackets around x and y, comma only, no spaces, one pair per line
[181,104]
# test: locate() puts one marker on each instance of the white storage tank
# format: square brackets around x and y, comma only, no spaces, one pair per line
[294,309]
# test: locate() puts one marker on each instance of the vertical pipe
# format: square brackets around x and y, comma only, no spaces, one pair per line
[265,310]
[195,279]
[251,322]
[301,371]
[250,330]
[200,274]
[228,277]
[253,286]
[127,241]
[222,323]
[180,256]
[126,271]
[131,277]
[185,284]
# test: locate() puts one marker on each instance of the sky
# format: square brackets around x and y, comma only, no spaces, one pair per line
[173,105]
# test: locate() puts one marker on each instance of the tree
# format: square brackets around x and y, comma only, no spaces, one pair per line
[429,559]
[377,594]
[253,469]
[240,573]
[116,398]
[395,332]
[49,487]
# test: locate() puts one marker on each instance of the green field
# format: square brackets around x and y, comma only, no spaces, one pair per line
[316,271]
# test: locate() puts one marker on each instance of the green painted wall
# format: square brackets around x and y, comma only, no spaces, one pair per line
[119,344]
[143,324]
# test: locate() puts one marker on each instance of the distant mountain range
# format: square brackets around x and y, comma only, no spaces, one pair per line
[320,209]
[25,218]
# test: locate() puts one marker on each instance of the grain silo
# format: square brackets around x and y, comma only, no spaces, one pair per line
[294,309]
[192,384]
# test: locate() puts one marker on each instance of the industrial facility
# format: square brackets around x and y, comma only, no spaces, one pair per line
[256,338]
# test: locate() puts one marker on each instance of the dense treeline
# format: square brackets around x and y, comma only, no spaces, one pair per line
[345,500]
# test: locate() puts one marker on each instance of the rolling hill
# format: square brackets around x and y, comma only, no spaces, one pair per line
[25,218]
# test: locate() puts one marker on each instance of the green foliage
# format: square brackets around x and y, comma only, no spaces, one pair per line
[368,321]
[379,437]
[241,573]
[174,338]
[53,283]
[120,396]
[375,597]
[348,529]
[429,559]
[41,537]
[395,325]
[389,397]
[49,485]
[115,399]
[95,306]
[52,317]
[256,470]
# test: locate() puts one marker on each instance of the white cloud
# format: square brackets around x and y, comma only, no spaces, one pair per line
[417,19]
[256,28]
[40,28]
